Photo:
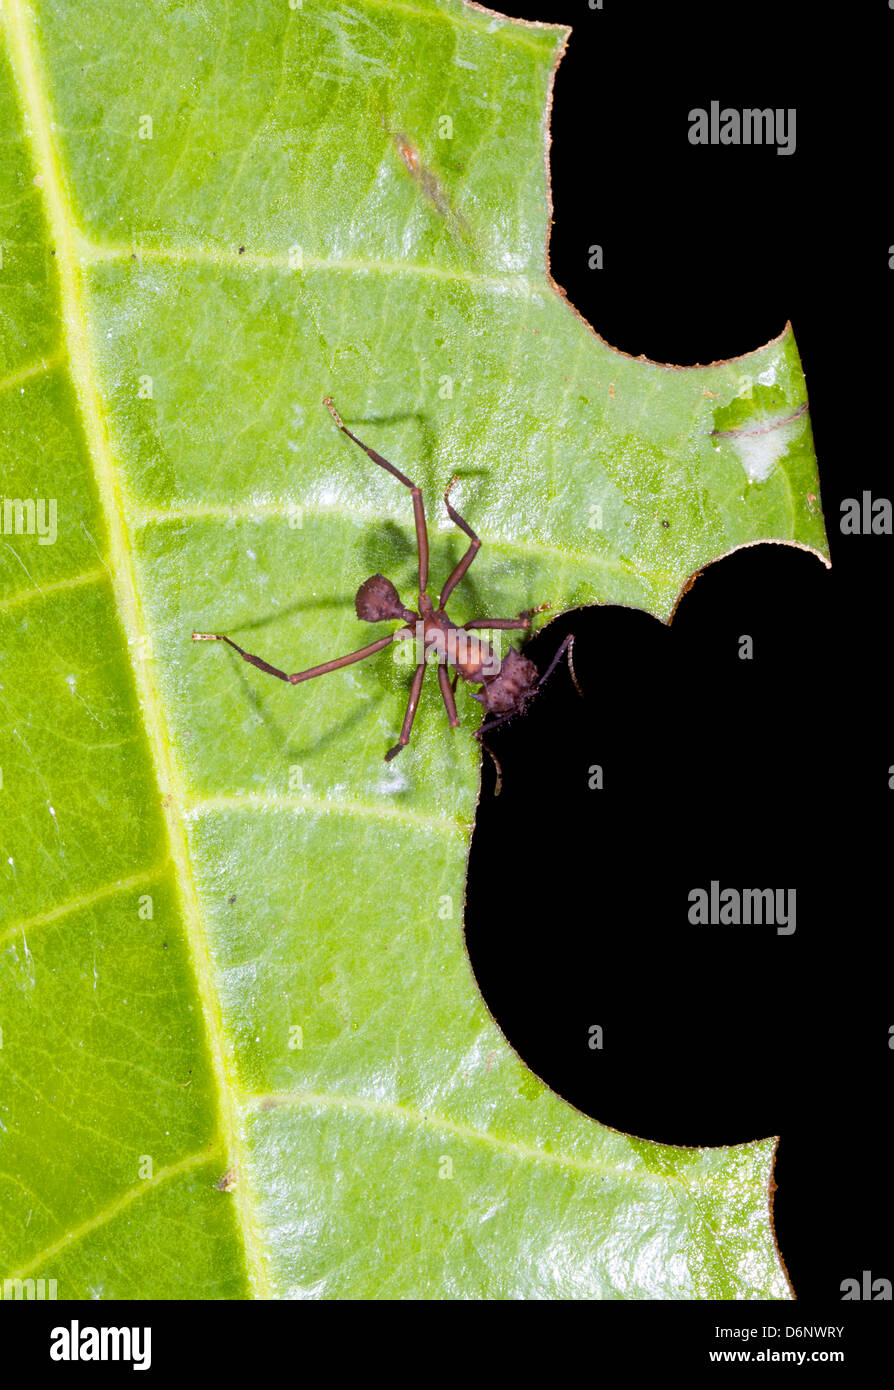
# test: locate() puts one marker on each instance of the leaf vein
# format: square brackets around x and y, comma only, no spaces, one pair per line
[100,1219]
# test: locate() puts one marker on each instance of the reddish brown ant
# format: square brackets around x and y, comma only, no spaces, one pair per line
[506,686]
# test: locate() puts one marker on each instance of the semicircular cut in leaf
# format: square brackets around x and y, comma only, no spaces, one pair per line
[243,1053]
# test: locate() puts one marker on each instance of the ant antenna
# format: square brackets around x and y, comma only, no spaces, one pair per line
[497,766]
[564,650]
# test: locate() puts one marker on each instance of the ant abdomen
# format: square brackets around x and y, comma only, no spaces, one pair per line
[377,600]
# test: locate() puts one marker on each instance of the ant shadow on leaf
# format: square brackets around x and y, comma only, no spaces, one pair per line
[308,605]
[281,739]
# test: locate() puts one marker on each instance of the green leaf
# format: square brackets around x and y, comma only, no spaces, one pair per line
[243,1053]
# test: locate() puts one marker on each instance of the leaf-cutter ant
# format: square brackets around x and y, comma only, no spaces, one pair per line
[506,686]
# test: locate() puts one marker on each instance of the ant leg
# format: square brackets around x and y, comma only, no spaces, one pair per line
[470,554]
[297,676]
[492,724]
[418,509]
[412,703]
[247,656]
[522,621]
[447,695]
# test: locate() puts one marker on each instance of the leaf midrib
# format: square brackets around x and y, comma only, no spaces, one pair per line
[62,225]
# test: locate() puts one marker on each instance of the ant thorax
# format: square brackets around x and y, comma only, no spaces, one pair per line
[439,640]
[473,659]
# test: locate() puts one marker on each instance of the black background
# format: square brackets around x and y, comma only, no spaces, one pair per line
[772,772]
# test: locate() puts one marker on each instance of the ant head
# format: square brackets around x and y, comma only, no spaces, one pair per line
[377,600]
[507,692]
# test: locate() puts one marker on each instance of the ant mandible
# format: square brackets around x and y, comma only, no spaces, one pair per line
[506,685]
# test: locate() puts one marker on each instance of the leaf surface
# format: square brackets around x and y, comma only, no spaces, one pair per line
[243,1053]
